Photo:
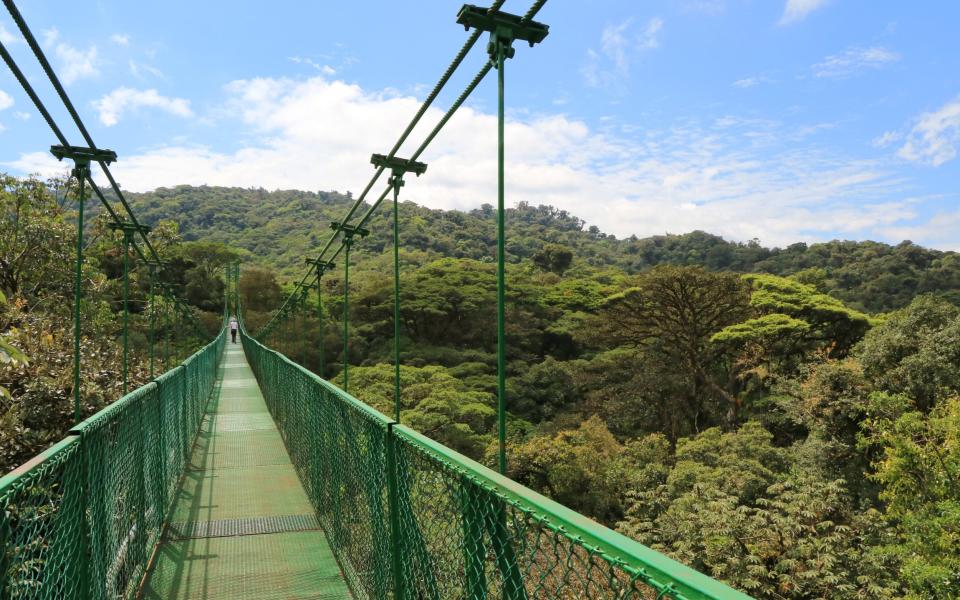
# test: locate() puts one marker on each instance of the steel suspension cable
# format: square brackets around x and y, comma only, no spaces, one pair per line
[61,92]
[48,118]
[369,213]
[448,73]
[25,84]
[58,133]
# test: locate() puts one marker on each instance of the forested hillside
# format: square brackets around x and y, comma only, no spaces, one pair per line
[787,420]
[37,261]
[280,228]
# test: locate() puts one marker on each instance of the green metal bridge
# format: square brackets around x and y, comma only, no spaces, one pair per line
[239,473]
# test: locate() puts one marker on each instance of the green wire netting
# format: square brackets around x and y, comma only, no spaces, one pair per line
[82,519]
[409,518]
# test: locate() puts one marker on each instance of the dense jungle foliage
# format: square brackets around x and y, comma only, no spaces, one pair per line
[786,420]
[37,260]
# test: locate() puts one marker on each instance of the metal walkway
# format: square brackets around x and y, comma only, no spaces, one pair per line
[242,526]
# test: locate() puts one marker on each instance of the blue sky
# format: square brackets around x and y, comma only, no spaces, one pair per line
[782,120]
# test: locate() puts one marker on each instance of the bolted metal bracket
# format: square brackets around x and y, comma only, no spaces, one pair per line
[157,266]
[82,156]
[504,28]
[321,265]
[349,230]
[129,228]
[398,167]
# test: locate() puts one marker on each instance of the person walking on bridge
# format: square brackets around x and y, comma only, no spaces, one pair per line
[233,329]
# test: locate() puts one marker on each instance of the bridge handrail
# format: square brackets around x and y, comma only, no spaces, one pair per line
[447,525]
[81,519]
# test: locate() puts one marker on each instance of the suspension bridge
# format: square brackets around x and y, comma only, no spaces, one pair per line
[239,473]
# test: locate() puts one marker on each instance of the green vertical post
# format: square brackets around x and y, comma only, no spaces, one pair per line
[504,29]
[227,293]
[397,182]
[347,242]
[393,508]
[128,230]
[153,319]
[166,333]
[287,334]
[236,288]
[349,231]
[80,172]
[301,317]
[501,280]
[398,167]
[174,328]
[323,371]
[126,310]
[321,267]
[81,158]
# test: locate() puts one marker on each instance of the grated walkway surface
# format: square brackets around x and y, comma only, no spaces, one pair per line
[242,526]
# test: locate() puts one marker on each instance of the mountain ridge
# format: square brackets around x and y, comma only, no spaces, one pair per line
[277,229]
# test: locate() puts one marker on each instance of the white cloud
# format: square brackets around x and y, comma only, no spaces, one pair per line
[138,69]
[797,10]
[120,39]
[325,69]
[853,60]
[112,106]
[939,231]
[706,7]
[50,36]
[20,115]
[749,82]
[619,45]
[73,64]
[6,37]
[935,136]
[649,37]
[741,178]
[887,138]
[6,101]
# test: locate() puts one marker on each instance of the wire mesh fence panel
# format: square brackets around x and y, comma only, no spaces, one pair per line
[123,520]
[174,436]
[82,519]
[477,543]
[410,518]
[338,448]
[42,526]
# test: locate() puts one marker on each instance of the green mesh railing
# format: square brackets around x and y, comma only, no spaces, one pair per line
[410,518]
[82,519]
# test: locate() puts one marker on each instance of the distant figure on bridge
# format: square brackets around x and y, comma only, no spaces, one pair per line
[233,329]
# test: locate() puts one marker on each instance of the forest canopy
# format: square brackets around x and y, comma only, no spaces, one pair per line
[784,419]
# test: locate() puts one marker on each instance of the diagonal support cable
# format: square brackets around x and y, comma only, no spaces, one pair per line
[61,92]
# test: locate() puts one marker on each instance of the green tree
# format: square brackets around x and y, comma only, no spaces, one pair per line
[675,311]
[572,467]
[914,352]
[635,391]
[554,258]
[794,317]
[733,506]
[432,402]
[35,239]
[259,290]
[919,468]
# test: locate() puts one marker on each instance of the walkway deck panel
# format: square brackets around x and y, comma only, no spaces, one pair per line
[242,526]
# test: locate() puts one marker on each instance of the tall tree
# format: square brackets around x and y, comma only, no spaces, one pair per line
[674,311]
